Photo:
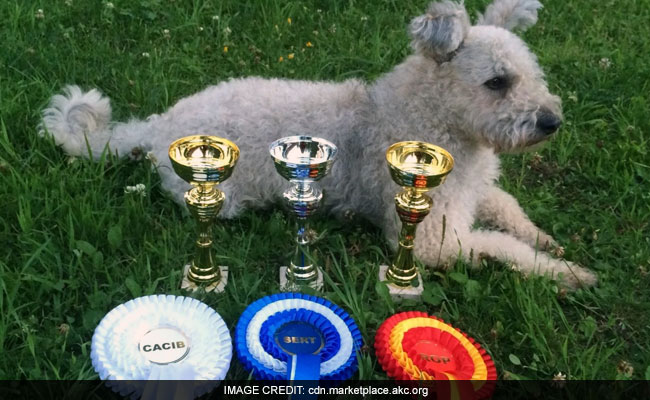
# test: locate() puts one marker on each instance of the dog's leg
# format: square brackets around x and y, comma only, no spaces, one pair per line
[172,183]
[501,210]
[438,243]
[439,237]
[507,248]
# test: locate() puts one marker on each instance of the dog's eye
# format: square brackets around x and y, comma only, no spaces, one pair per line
[497,83]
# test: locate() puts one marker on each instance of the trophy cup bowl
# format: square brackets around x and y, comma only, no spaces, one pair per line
[302,160]
[417,167]
[203,159]
[204,162]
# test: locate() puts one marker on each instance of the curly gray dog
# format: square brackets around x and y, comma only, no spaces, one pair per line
[473,90]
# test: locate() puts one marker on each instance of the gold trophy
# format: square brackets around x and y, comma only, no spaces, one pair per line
[417,167]
[302,160]
[204,162]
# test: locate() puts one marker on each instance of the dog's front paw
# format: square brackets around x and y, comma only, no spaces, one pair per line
[577,277]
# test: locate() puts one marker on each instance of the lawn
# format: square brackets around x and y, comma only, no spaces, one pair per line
[75,245]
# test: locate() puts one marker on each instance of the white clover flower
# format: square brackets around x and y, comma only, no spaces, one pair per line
[64,329]
[605,63]
[558,251]
[200,29]
[166,34]
[145,55]
[39,14]
[151,157]
[364,18]
[215,18]
[537,158]
[138,189]
[109,5]
[573,96]
[559,380]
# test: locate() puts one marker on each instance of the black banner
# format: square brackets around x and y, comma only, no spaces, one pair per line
[229,389]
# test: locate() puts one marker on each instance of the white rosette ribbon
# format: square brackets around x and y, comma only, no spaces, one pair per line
[118,359]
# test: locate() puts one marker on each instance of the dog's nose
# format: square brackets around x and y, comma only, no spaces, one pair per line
[548,122]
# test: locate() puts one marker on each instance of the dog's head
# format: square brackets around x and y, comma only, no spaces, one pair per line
[495,85]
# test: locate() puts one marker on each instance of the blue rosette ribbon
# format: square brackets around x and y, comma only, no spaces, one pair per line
[146,341]
[294,336]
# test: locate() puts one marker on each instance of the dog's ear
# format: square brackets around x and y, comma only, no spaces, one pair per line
[511,14]
[441,31]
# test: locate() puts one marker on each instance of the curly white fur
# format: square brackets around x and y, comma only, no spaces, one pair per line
[71,115]
[440,31]
[474,90]
[511,14]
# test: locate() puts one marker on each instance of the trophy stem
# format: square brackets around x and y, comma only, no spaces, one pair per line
[302,270]
[204,203]
[303,199]
[412,207]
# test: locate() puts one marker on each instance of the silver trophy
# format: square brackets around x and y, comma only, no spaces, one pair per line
[302,160]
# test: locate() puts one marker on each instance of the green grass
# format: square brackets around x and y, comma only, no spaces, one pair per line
[74,245]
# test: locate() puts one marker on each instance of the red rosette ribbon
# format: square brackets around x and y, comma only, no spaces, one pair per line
[416,346]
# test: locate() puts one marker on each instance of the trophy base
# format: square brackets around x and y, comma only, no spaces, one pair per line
[216,287]
[287,286]
[399,293]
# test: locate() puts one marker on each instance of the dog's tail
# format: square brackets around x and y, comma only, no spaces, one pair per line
[80,121]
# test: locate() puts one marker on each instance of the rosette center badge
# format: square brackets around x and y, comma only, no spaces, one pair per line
[164,346]
[302,342]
